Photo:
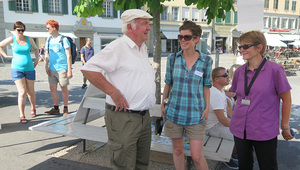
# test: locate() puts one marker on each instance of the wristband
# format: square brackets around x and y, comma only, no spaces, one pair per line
[285,128]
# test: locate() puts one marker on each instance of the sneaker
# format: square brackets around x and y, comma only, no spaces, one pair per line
[234,157]
[53,112]
[83,86]
[231,164]
[65,112]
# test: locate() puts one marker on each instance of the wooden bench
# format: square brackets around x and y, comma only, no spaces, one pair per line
[92,107]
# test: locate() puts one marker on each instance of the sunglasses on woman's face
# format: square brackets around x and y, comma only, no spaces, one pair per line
[186,37]
[20,30]
[223,75]
[246,46]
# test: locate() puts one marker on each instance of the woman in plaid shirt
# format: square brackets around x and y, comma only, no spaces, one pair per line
[188,75]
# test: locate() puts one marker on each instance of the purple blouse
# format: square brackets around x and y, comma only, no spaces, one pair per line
[260,118]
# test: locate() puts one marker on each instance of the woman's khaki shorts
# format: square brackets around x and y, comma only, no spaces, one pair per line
[60,77]
[192,132]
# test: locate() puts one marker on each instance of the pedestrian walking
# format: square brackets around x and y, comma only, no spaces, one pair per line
[86,53]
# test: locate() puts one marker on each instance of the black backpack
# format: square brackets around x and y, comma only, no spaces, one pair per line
[72,46]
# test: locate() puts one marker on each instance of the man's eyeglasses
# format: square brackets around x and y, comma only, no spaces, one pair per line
[223,75]
[246,46]
[186,37]
[20,30]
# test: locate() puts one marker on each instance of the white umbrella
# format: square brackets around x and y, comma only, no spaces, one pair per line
[296,43]
[272,41]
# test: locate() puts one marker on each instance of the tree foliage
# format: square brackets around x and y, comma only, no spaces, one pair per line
[215,8]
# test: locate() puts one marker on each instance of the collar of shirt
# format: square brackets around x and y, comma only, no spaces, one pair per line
[131,43]
[263,68]
[200,55]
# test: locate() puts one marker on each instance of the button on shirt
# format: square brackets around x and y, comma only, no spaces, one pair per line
[128,69]
[187,98]
[261,117]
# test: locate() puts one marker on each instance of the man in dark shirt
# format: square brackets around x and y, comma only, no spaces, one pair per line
[86,53]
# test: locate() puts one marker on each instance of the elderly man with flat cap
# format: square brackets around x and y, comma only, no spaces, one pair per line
[130,89]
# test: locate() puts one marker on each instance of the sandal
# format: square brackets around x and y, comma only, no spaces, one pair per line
[23,119]
[33,113]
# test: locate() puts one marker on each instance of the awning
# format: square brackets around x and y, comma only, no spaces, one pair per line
[43,34]
[274,42]
[171,35]
[296,43]
[286,37]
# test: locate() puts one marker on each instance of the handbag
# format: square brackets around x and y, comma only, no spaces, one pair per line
[159,125]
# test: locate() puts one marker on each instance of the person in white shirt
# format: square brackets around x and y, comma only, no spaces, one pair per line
[218,118]
[130,89]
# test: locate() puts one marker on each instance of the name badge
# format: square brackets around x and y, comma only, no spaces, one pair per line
[198,73]
[245,102]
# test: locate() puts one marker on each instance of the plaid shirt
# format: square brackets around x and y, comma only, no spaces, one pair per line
[187,103]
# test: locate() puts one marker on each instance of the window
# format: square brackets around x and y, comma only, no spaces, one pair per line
[175,13]
[275,23]
[228,17]
[267,22]
[286,5]
[105,42]
[204,18]
[292,24]
[164,16]
[284,23]
[235,17]
[23,5]
[54,6]
[294,2]
[275,4]
[266,4]
[185,14]
[108,9]
[218,20]
[195,15]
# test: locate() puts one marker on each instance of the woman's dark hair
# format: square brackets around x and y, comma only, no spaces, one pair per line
[193,27]
[19,24]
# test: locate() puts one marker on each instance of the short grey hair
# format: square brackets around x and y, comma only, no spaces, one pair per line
[86,38]
[124,26]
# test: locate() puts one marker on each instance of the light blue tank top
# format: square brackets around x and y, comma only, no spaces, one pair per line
[21,56]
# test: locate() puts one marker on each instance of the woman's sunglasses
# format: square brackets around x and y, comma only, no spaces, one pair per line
[223,75]
[246,46]
[186,37]
[20,30]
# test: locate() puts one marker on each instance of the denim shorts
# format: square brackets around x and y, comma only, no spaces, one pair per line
[17,74]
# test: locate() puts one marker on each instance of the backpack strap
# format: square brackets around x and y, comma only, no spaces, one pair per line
[61,41]
[49,38]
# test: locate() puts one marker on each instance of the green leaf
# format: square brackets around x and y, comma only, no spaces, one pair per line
[132,5]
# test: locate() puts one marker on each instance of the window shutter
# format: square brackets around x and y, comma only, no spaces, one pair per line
[34,6]
[235,17]
[74,3]
[121,11]
[269,26]
[12,5]
[228,17]
[64,5]
[102,13]
[218,20]
[45,6]
[115,13]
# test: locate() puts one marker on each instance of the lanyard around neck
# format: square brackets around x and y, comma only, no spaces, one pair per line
[247,88]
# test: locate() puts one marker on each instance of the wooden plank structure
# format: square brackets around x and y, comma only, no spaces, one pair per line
[92,107]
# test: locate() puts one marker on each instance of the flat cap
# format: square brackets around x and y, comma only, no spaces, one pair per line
[131,14]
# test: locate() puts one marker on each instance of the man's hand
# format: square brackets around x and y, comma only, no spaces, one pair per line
[70,75]
[119,100]
[48,71]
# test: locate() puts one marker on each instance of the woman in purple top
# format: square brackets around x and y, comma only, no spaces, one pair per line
[255,120]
